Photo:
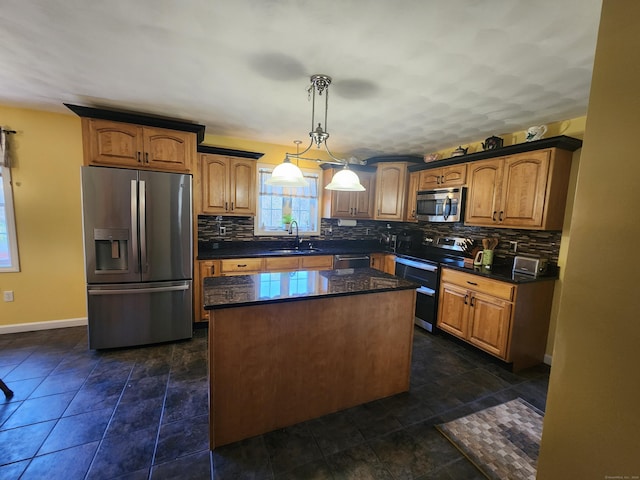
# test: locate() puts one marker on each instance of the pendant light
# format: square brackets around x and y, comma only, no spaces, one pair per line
[345,179]
[287,174]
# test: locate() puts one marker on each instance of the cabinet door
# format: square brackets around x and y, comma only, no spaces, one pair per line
[489,324]
[242,187]
[453,309]
[391,183]
[341,204]
[412,197]
[430,179]
[390,264]
[112,143]
[168,149]
[523,189]
[483,191]
[454,176]
[362,203]
[207,268]
[214,175]
[376,260]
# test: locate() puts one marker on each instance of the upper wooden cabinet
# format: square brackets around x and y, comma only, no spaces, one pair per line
[412,197]
[526,190]
[337,204]
[391,191]
[128,145]
[227,185]
[453,176]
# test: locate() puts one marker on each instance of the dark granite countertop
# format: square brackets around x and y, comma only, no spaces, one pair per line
[264,248]
[504,273]
[261,288]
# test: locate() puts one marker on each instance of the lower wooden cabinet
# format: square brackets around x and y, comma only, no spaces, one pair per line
[510,321]
[206,268]
[384,262]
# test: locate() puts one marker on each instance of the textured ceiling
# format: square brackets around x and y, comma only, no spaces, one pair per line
[409,76]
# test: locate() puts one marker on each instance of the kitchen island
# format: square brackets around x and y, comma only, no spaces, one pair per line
[292,346]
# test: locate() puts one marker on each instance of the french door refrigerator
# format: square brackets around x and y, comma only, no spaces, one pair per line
[138,256]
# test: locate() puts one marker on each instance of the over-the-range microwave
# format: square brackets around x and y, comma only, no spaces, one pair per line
[441,205]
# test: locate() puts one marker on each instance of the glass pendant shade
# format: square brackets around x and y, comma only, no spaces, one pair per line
[345,181]
[287,175]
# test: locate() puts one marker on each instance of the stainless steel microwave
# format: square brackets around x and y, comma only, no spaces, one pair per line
[442,205]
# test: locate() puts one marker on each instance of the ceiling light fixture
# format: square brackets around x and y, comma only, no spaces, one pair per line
[287,174]
[345,179]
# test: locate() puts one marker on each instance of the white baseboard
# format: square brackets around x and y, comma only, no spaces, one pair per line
[30,327]
[547,359]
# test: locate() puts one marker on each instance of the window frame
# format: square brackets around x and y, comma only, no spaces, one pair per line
[258,232]
[10,221]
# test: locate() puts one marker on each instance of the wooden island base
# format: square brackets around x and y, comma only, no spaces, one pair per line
[277,364]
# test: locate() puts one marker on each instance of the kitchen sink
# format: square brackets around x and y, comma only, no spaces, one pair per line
[295,250]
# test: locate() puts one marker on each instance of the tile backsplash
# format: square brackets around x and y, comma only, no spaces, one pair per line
[542,243]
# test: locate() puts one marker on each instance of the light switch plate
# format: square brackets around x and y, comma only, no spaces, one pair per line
[8,296]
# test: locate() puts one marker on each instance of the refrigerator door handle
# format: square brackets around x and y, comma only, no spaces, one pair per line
[134,224]
[173,288]
[142,207]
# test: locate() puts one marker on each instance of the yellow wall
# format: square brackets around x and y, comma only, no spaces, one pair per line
[592,421]
[47,154]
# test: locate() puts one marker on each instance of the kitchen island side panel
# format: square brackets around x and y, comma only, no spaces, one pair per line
[274,365]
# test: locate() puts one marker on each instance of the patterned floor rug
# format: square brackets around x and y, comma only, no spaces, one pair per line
[502,441]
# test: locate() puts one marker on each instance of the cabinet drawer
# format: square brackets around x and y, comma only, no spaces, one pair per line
[478,283]
[317,262]
[239,265]
[274,264]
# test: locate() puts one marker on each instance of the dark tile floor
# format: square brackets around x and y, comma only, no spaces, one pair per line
[141,413]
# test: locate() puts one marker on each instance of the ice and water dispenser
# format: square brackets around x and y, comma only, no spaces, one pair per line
[112,249]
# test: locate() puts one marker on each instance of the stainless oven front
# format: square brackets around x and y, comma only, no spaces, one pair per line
[424,274]
[442,205]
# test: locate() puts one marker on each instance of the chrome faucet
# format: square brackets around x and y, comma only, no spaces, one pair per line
[297,240]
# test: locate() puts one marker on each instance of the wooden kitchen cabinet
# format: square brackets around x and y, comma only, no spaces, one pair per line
[383,261]
[241,266]
[444,177]
[391,191]
[412,197]
[227,185]
[338,204]
[206,268]
[509,321]
[119,144]
[526,190]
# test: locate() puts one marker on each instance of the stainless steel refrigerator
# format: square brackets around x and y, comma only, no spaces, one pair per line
[138,256]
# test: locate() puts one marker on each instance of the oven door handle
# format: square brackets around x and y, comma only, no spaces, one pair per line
[420,265]
[426,291]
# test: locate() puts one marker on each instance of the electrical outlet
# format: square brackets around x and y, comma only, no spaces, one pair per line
[223,231]
[513,246]
[8,296]
[367,231]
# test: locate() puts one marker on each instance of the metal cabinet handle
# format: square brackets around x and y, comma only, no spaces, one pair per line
[232,206]
[139,157]
[226,206]
[493,217]
[146,157]
[472,299]
[242,266]
[471,283]
[500,216]
[466,297]
[213,269]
